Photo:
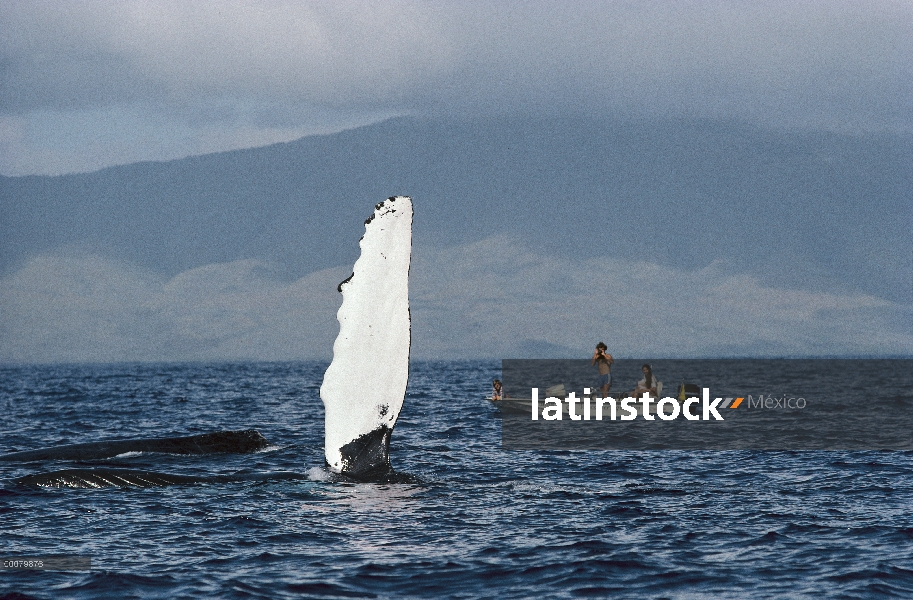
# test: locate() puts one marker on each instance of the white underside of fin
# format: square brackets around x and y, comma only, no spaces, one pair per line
[364,386]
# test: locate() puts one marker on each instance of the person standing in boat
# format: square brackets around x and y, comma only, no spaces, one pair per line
[603,362]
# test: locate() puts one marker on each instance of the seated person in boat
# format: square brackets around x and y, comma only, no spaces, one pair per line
[496,390]
[647,385]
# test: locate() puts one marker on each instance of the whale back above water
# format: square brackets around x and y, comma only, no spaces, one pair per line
[364,386]
[219,442]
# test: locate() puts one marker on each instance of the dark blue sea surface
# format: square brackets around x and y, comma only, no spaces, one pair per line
[479,522]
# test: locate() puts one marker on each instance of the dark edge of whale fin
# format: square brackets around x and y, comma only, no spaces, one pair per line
[369,454]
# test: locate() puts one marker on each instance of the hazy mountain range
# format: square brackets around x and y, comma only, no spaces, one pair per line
[587,219]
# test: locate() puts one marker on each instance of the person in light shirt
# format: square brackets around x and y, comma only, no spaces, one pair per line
[647,385]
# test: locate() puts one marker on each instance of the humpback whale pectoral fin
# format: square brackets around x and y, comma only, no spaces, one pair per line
[371,351]
[106,478]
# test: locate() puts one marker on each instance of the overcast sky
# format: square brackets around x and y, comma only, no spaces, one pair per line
[91,84]
[84,85]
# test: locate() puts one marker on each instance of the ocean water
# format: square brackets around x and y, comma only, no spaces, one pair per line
[478,522]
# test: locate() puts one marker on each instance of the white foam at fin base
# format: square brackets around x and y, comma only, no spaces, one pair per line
[364,386]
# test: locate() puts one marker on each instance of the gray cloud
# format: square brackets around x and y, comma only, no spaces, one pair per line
[206,76]
[90,308]
[496,298]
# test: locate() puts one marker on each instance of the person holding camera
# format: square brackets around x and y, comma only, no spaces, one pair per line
[603,362]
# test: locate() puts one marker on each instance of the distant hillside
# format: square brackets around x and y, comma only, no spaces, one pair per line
[790,207]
